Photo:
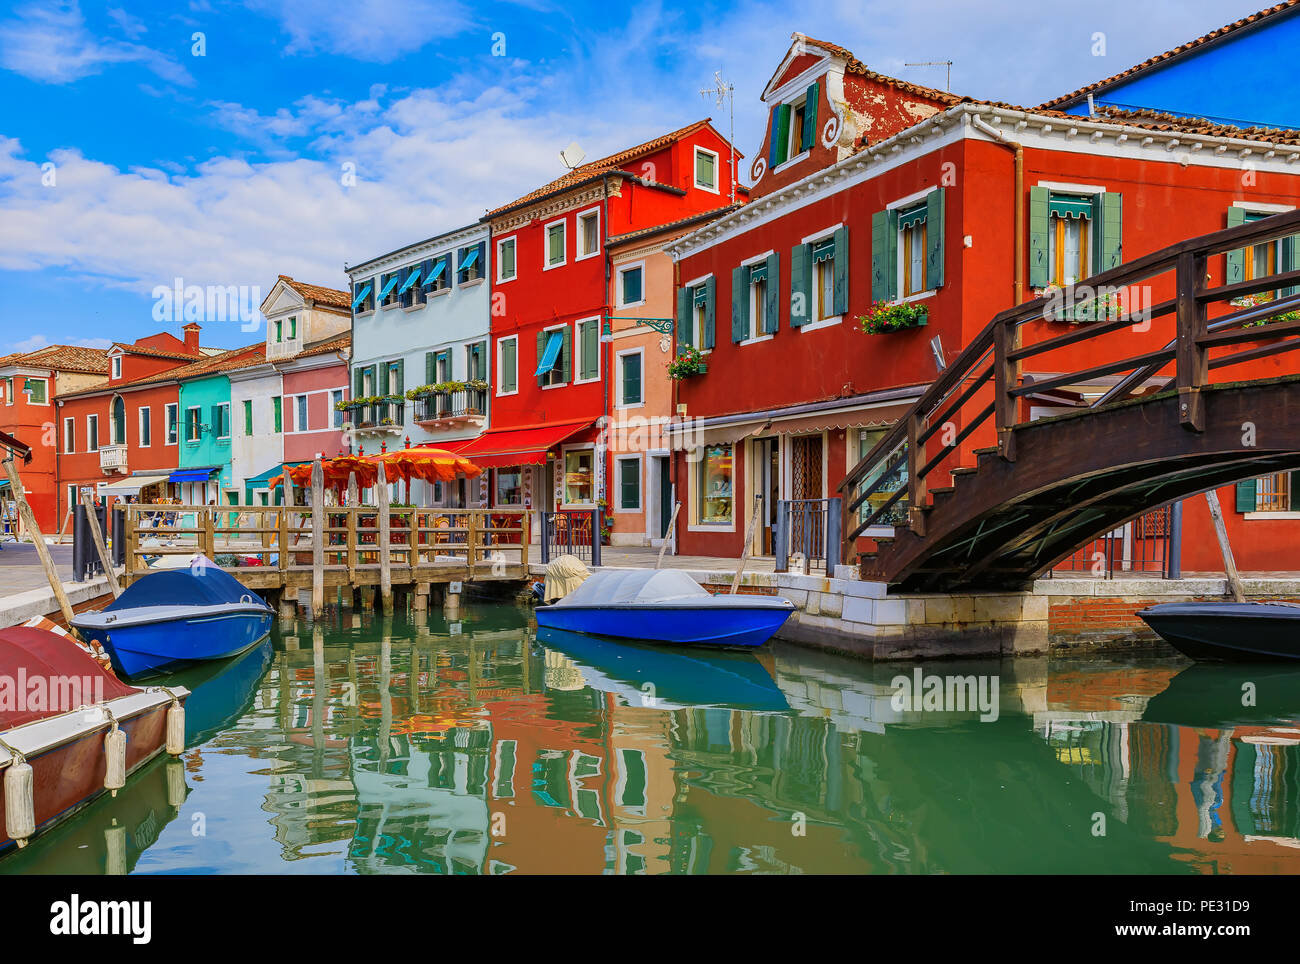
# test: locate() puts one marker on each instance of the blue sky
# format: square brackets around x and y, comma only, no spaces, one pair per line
[226,168]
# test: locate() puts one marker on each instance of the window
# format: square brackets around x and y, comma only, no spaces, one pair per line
[713,495]
[469,263]
[754,299]
[553,356]
[797,124]
[792,127]
[388,295]
[509,487]
[588,332]
[555,246]
[819,279]
[117,421]
[629,483]
[476,361]
[363,296]
[911,248]
[1279,492]
[193,426]
[506,259]
[1069,238]
[436,276]
[293,327]
[588,234]
[507,365]
[631,285]
[630,392]
[632,780]
[69,435]
[301,423]
[117,366]
[277,413]
[336,397]
[897,514]
[92,433]
[9,391]
[221,420]
[824,280]
[248,416]
[579,477]
[172,413]
[706,169]
[279,331]
[35,389]
[146,427]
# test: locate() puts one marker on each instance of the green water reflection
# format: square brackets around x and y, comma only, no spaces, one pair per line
[366,745]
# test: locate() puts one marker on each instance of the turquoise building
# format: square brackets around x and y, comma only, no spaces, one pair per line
[205,443]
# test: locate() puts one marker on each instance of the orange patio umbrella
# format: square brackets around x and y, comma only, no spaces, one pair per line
[426,464]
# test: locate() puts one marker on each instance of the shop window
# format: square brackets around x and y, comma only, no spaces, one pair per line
[579,477]
[714,493]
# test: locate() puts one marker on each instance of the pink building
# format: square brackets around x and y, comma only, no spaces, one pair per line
[314,381]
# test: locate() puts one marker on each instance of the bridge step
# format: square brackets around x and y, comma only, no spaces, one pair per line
[964,470]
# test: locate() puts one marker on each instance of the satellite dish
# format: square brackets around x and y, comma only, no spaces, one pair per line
[572,155]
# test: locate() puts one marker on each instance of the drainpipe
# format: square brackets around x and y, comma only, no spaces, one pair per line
[1019,188]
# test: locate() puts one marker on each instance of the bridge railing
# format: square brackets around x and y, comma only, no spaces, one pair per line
[1201,325]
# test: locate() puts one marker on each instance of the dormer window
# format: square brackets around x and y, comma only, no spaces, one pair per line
[279,330]
[293,327]
[117,366]
[793,127]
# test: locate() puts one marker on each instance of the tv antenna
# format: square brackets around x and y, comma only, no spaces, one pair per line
[725,92]
[572,156]
[935,63]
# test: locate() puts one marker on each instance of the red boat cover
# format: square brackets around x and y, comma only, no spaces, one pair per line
[38,672]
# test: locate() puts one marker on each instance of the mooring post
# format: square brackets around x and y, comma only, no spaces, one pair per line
[317,539]
[38,540]
[384,537]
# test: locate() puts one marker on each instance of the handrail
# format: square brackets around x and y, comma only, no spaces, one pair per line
[1195,336]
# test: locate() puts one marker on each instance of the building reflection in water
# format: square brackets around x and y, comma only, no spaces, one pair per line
[377,746]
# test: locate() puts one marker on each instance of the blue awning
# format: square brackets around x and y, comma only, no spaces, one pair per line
[438,268]
[361,296]
[469,262]
[389,287]
[551,354]
[193,475]
[410,279]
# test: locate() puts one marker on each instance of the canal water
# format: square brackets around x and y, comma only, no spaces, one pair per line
[371,745]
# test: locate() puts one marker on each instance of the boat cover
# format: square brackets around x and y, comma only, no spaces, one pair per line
[201,584]
[635,586]
[30,654]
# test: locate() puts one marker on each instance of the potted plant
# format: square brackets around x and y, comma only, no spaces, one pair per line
[689,361]
[886,316]
[1262,298]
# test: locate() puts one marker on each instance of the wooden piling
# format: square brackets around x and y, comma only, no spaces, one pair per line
[384,539]
[317,539]
[1235,585]
[38,540]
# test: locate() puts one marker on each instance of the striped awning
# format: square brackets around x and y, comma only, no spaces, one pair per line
[912,216]
[1070,206]
[758,273]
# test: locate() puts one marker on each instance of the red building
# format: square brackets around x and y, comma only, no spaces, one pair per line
[31,383]
[874,191]
[550,305]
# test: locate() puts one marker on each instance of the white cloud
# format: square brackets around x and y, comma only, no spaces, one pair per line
[49,42]
[375,31]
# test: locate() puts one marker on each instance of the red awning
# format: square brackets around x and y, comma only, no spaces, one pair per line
[522,445]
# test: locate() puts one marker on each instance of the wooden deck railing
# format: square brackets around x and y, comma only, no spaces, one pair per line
[985,381]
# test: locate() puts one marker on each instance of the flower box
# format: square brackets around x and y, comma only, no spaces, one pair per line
[883,317]
[689,361]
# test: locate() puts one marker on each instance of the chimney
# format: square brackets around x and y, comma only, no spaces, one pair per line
[192,337]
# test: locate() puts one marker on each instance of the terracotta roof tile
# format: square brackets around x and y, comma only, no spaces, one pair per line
[593,170]
[63,358]
[1252,20]
[321,295]
[855,66]
[230,360]
[337,343]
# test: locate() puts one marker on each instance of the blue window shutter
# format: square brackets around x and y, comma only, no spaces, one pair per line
[841,270]
[1237,256]
[934,239]
[683,317]
[1040,272]
[771,137]
[810,117]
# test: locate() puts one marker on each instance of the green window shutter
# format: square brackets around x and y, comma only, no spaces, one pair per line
[1040,272]
[683,317]
[1295,491]
[934,239]
[631,380]
[800,285]
[841,270]
[509,369]
[782,134]
[1110,231]
[629,484]
[541,350]
[1289,255]
[430,373]
[590,331]
[566,355]
[1246,495]
[884,256]
[710,309]
[1237,256]
[739,303]
[358,382]
[772,314]
[400,367]
[277,408]
[248,416]
[810,117]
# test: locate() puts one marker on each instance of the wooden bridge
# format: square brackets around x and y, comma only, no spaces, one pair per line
[1160,428]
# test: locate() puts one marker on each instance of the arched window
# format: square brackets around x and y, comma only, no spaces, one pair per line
[119,420]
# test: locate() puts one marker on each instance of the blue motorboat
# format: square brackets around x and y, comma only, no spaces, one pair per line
[664,606]
[177,616]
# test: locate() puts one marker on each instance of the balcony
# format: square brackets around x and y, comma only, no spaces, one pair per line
[112,460]
[447,408]
[378,417]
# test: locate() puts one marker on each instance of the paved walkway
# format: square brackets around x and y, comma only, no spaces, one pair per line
[645,557]
[20,567]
